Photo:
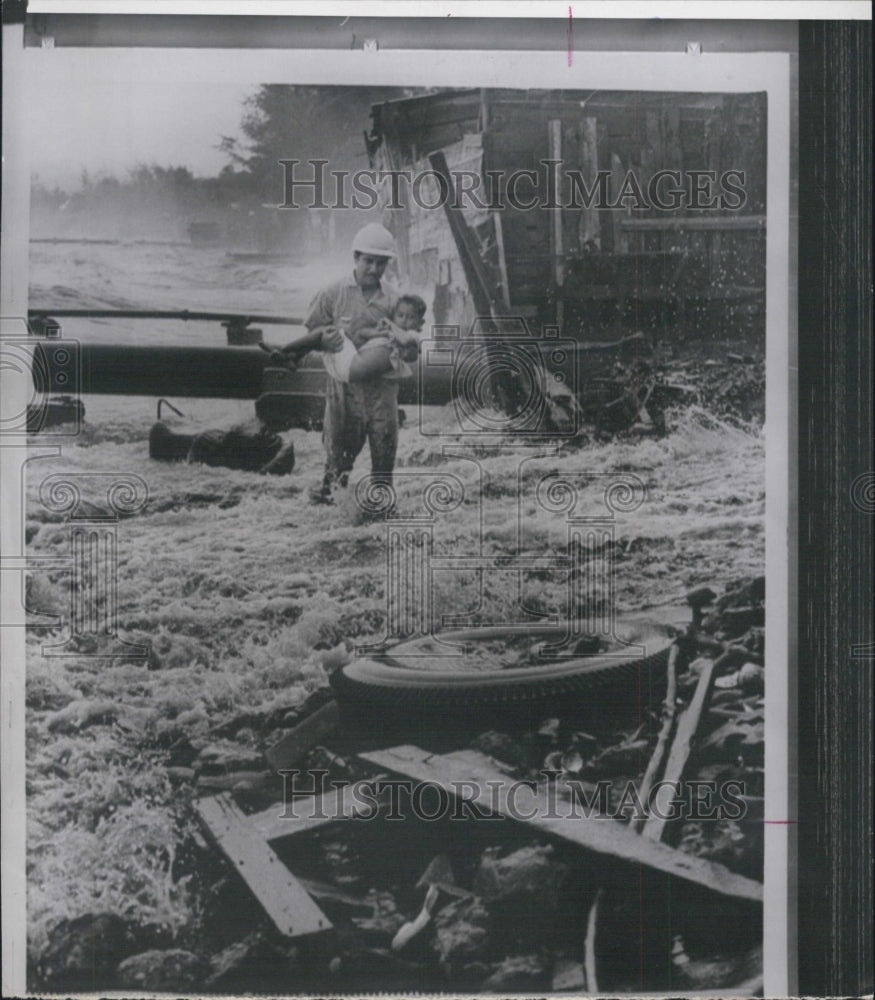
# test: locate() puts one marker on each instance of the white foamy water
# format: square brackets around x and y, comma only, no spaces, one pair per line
[169,277]
[247,593]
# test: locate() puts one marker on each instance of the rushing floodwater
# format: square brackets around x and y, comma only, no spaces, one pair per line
[243,588]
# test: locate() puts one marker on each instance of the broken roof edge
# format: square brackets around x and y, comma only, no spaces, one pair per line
[603,97]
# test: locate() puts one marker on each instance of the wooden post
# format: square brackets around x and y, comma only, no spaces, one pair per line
[283,898]
[482,285]
[680,751]
[554,139]
[589,227]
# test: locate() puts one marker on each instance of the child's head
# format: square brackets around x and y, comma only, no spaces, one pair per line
[409,312]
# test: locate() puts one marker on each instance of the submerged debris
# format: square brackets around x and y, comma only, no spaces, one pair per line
[462,932]
[171,969]
[87,948]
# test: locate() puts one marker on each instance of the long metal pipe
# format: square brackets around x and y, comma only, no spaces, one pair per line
[187,315]
[141,370]
[238,372]
[204,372]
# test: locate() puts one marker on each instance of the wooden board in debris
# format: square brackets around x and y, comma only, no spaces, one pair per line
[300,815]
[310,731]
[280,894]
[471,770]
[680,753]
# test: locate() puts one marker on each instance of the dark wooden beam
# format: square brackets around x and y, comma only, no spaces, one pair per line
[468,770]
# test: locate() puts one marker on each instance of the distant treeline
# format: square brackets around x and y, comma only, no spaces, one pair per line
[160,202]
[152,202]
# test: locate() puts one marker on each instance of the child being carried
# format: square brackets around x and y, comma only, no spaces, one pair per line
[387,347]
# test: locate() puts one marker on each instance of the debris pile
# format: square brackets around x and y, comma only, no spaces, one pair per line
[732,389]
[251,447]
[332,897]
[506,906]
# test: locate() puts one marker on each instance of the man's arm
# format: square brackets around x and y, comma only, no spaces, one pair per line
[321,322]
[388,328]
[290,354]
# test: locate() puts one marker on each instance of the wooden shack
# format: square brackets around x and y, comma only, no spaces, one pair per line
[609,265]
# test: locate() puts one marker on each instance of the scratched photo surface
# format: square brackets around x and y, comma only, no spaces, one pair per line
[458,684]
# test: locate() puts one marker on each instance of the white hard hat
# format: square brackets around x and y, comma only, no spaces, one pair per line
[374,239]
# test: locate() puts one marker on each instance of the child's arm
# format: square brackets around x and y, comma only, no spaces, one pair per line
[401,336]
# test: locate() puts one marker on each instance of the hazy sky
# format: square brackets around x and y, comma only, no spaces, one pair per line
[82,119]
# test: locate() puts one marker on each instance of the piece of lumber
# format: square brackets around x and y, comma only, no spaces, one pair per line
[669,711]
[280,894]
[700,223]
[679,754]
[472,774]
[502,259]
[308,733]
[589,954]
[482,284]
[296,815]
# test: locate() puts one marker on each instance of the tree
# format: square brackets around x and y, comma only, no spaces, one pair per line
[285,122]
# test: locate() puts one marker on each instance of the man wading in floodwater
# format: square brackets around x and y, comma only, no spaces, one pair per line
[361,396]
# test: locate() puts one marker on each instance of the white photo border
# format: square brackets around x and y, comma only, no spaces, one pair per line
[660,71]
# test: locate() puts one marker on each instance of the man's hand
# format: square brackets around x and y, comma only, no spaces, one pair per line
[331,340]
[406,338]
[409,352]
[280,357]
